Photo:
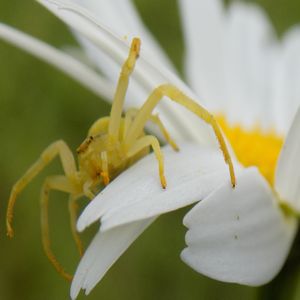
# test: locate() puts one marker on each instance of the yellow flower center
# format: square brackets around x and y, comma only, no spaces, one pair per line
[254,147]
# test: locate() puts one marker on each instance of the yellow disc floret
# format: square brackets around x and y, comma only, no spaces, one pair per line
[254,147]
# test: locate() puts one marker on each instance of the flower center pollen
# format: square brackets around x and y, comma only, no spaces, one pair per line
[254,147]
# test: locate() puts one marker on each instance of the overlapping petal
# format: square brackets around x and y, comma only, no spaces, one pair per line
[285,87]
[122,18]
[61,60]
[239,235]
[102,253]
[203,25]
[287,182]
[248,44]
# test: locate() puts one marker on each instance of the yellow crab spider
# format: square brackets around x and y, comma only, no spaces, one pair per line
[112,145]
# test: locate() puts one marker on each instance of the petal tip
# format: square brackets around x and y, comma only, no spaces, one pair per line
[75,289]
[81,224]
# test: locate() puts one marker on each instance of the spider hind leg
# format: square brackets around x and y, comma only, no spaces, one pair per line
[60,183]
[68,183]
[57,148]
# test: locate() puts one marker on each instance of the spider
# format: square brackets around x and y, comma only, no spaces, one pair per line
[112,145]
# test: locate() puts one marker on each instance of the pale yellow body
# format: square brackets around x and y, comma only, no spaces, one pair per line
[112,145]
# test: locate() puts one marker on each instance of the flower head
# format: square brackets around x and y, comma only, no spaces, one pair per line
[234,62]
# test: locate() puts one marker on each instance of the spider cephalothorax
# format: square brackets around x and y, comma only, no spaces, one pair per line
[101,158]
[113,143]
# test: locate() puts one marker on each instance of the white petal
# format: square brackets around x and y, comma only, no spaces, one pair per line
[181,123]
[275,110]
[191,174]
[64,62]
[248,44]
[286,87]
[287,181]
[239,235]
[122,18]
[102,253]
[203,25]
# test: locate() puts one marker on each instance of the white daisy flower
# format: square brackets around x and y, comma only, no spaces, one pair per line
[249,81]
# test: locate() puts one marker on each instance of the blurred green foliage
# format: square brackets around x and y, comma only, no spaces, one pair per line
[39,105]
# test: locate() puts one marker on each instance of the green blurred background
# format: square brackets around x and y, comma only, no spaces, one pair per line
[39,105]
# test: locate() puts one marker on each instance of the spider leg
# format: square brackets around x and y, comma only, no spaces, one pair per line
[131,114]
[176,95]
[87,190]
[156,120]
[146,141]
[104,173]
[60,183]
[119,97]
[73,208]
[57,148]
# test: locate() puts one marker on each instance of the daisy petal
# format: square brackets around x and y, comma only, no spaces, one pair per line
[189,180]
[61,60]
[203,25]
[192,173]
[102,253]
[249,41]
[239,235]
[287,181]
[286,85]
[122,17]
[109,42]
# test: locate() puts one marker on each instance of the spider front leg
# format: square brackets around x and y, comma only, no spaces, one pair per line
[177,96]
[119,97]
[59,183]
[146,141]
[57,148]
[132,113]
